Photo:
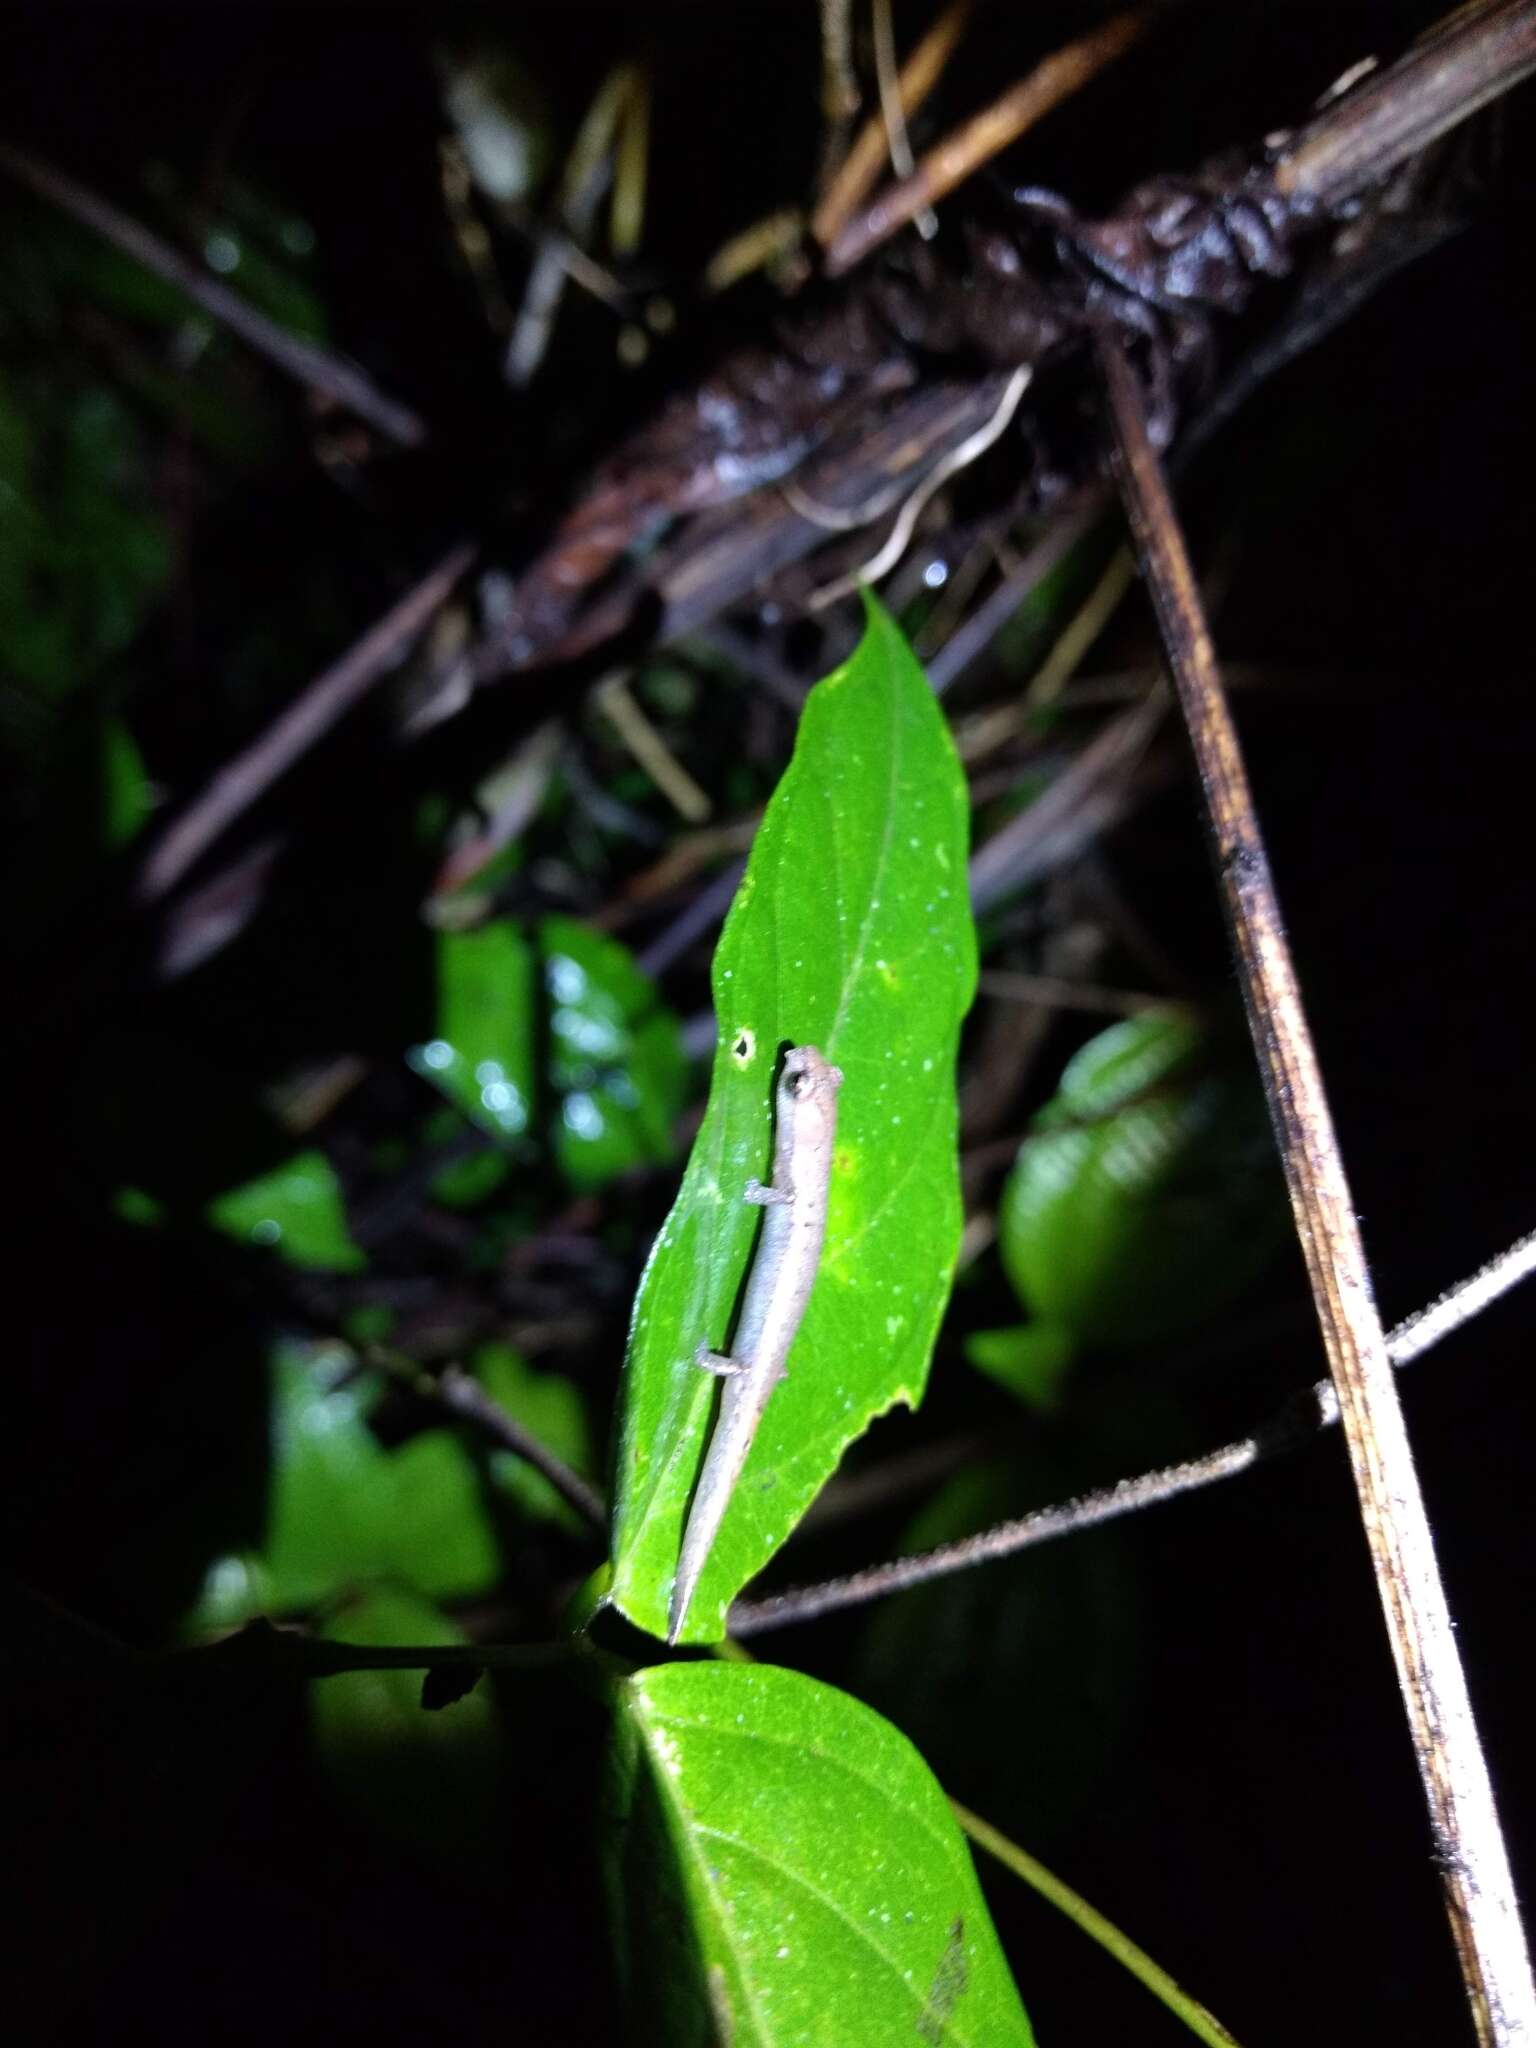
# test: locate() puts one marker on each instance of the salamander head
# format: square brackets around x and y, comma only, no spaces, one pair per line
[808,1083]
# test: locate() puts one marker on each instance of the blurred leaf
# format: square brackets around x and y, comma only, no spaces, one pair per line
[1031,1361]
[851,931]
[550,1406]
[297,1210]
[616,1054]
[427,1778]
[1147,1195]
[500,113]
[469,1182]
[133,1205]
[482,1055]
[343,1511]
[616,1073]
[785,1869]
[127,799]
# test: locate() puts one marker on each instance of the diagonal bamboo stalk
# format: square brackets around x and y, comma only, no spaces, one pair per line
[312,714]
[1479,1889]
[321,369]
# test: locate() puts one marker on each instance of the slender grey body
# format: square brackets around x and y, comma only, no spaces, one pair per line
[783,1274]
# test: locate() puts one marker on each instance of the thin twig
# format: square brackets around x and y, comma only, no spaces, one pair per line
[892,113]
[970,450]
[865,161]
[1304,1416]
[1459,1305]
[1055,992]
[690,925]
[587,174]
[654,756]
[463,1396]
[995,610]
[466,1398]
[328,1656]
[1088,1920]
[339,380]
[839,81]
[311,715]
[976,141]
[1080,805]
[1480,1896]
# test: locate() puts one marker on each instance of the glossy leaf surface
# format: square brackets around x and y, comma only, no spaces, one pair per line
[851,932]
[616,1055]
[786,1869]
[1147,1195]
[549,1405]
[481,1056]
[297,1211]
[345,1512]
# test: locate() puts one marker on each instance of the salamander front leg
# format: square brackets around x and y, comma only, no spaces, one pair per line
[761,1196]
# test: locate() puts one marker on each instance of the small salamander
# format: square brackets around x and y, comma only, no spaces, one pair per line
[783,1273]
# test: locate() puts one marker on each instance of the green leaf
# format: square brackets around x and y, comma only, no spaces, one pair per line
[297,1210]
[617,1061]
[1030,1360]
[343,1511]
[1147,1196]
[482,1055]
[126,797]
[852,932]
[549,1405]
[785,1869]
[425,1778]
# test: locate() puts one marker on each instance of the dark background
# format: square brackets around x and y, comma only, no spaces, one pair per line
[1255,1821]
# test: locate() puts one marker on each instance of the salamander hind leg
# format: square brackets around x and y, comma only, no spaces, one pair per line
[718,1362]
[760,1196]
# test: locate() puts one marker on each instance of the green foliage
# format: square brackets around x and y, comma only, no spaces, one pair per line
[482,1054]
[297,1210]
[343,1512]
[126,796]
[1031,1360]
[851,931]
[616,1056]
[1146,1196]
[616,1071]
[785,1869]
[550,1406]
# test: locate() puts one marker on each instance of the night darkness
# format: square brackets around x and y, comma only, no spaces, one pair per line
[1192,1716]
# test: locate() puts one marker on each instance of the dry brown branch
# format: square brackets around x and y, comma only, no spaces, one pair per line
[976,141]
[311,715]
[463,1396]
[1469,1843]
[865,161]
[975,636]
[342,382]
[1080,805]
[1476,54]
